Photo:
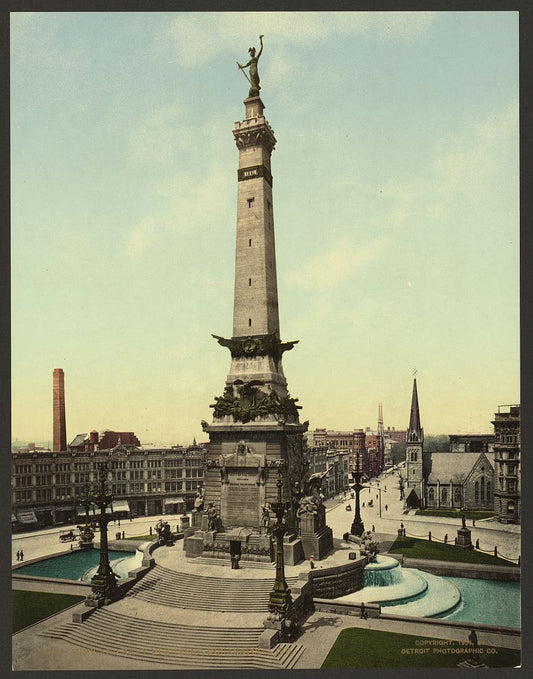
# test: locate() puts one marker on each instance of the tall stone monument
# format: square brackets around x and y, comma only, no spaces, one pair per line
[256,429]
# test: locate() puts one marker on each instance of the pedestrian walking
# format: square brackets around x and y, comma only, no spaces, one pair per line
[386,507]
[21,555]
[473,523]
[477,543]
[445,538]
[236,560]
[402,529]
[123,535]
[363,505]
[312,561]
[373,529]
[18,555]
[472,638]
[363,614]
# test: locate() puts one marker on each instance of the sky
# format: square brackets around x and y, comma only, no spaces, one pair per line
[396,206]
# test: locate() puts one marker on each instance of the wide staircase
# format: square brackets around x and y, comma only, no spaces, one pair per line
[176,645]
[185,590]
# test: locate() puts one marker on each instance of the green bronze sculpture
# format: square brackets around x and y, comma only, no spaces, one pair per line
[253,79]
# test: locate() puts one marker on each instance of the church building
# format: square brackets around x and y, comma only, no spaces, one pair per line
[445,480]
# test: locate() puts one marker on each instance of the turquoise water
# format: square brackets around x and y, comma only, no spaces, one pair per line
[487,601]
[74,566]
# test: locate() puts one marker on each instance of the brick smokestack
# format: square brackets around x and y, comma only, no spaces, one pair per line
[60,429]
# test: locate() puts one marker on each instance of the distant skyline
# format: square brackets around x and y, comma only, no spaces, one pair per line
[396,206]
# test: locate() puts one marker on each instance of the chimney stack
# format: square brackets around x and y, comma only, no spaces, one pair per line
[60,429]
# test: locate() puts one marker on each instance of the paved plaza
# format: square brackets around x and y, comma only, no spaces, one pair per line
[52,644]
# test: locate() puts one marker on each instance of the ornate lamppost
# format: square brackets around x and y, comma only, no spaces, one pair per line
[86,532]
[280,597]
[357,523]
[104,581]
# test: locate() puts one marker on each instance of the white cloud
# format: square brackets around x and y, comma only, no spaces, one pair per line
[465,165]
[186,204]
[342,261]
[200,37]
[140,237]
[464,169]
[155,138]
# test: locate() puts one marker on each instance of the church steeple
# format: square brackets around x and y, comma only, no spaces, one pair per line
[414,496]
[415,431]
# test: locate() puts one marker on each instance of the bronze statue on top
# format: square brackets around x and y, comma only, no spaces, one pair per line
[253,79]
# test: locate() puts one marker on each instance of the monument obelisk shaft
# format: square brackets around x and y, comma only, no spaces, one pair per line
[255,433]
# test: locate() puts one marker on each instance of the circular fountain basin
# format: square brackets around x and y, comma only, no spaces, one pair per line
[404,591]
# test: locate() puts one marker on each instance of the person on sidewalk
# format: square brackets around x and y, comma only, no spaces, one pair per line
[21,555]
[363,614]
[312,562]
[18,555]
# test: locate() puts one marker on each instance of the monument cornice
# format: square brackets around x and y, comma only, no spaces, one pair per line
[254,134]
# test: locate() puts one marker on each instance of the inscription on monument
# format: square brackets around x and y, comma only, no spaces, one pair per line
[240,498]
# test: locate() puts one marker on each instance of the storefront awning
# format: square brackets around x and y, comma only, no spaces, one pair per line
[174,501]
[27,517]
[121,506]
[93,510]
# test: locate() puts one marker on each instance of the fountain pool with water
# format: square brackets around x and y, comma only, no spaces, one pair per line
[81,565]
[411,592]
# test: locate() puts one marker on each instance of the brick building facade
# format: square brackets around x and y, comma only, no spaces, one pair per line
[48,487]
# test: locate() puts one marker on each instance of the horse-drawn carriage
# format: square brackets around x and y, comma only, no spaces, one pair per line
[67,536]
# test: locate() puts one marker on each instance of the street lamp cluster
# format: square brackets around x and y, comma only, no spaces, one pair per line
[104,587]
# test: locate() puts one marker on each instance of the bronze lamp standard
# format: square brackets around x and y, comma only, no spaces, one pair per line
[86,532]
[357,523]
[280,597]
[104,581]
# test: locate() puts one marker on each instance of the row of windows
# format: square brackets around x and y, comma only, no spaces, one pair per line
[457,495]
[95,466]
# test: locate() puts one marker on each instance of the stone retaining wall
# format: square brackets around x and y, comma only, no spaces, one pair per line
[330,583]
[465,570]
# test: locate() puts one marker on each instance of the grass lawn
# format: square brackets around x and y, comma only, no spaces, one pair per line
[30,607]
[437,551]
[369,648]
[449,513]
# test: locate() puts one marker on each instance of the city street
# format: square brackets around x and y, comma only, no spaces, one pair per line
[46,542]
[489,533]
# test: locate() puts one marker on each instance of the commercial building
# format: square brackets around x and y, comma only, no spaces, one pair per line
[471,443]
[507,503]
[48,487]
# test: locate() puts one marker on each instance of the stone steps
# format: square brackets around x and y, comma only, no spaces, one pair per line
[166,587]
[182,646]
[288,654]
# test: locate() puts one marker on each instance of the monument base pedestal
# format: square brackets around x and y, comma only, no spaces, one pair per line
[252,547]
[316,536]
[464,538]
[318,544]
